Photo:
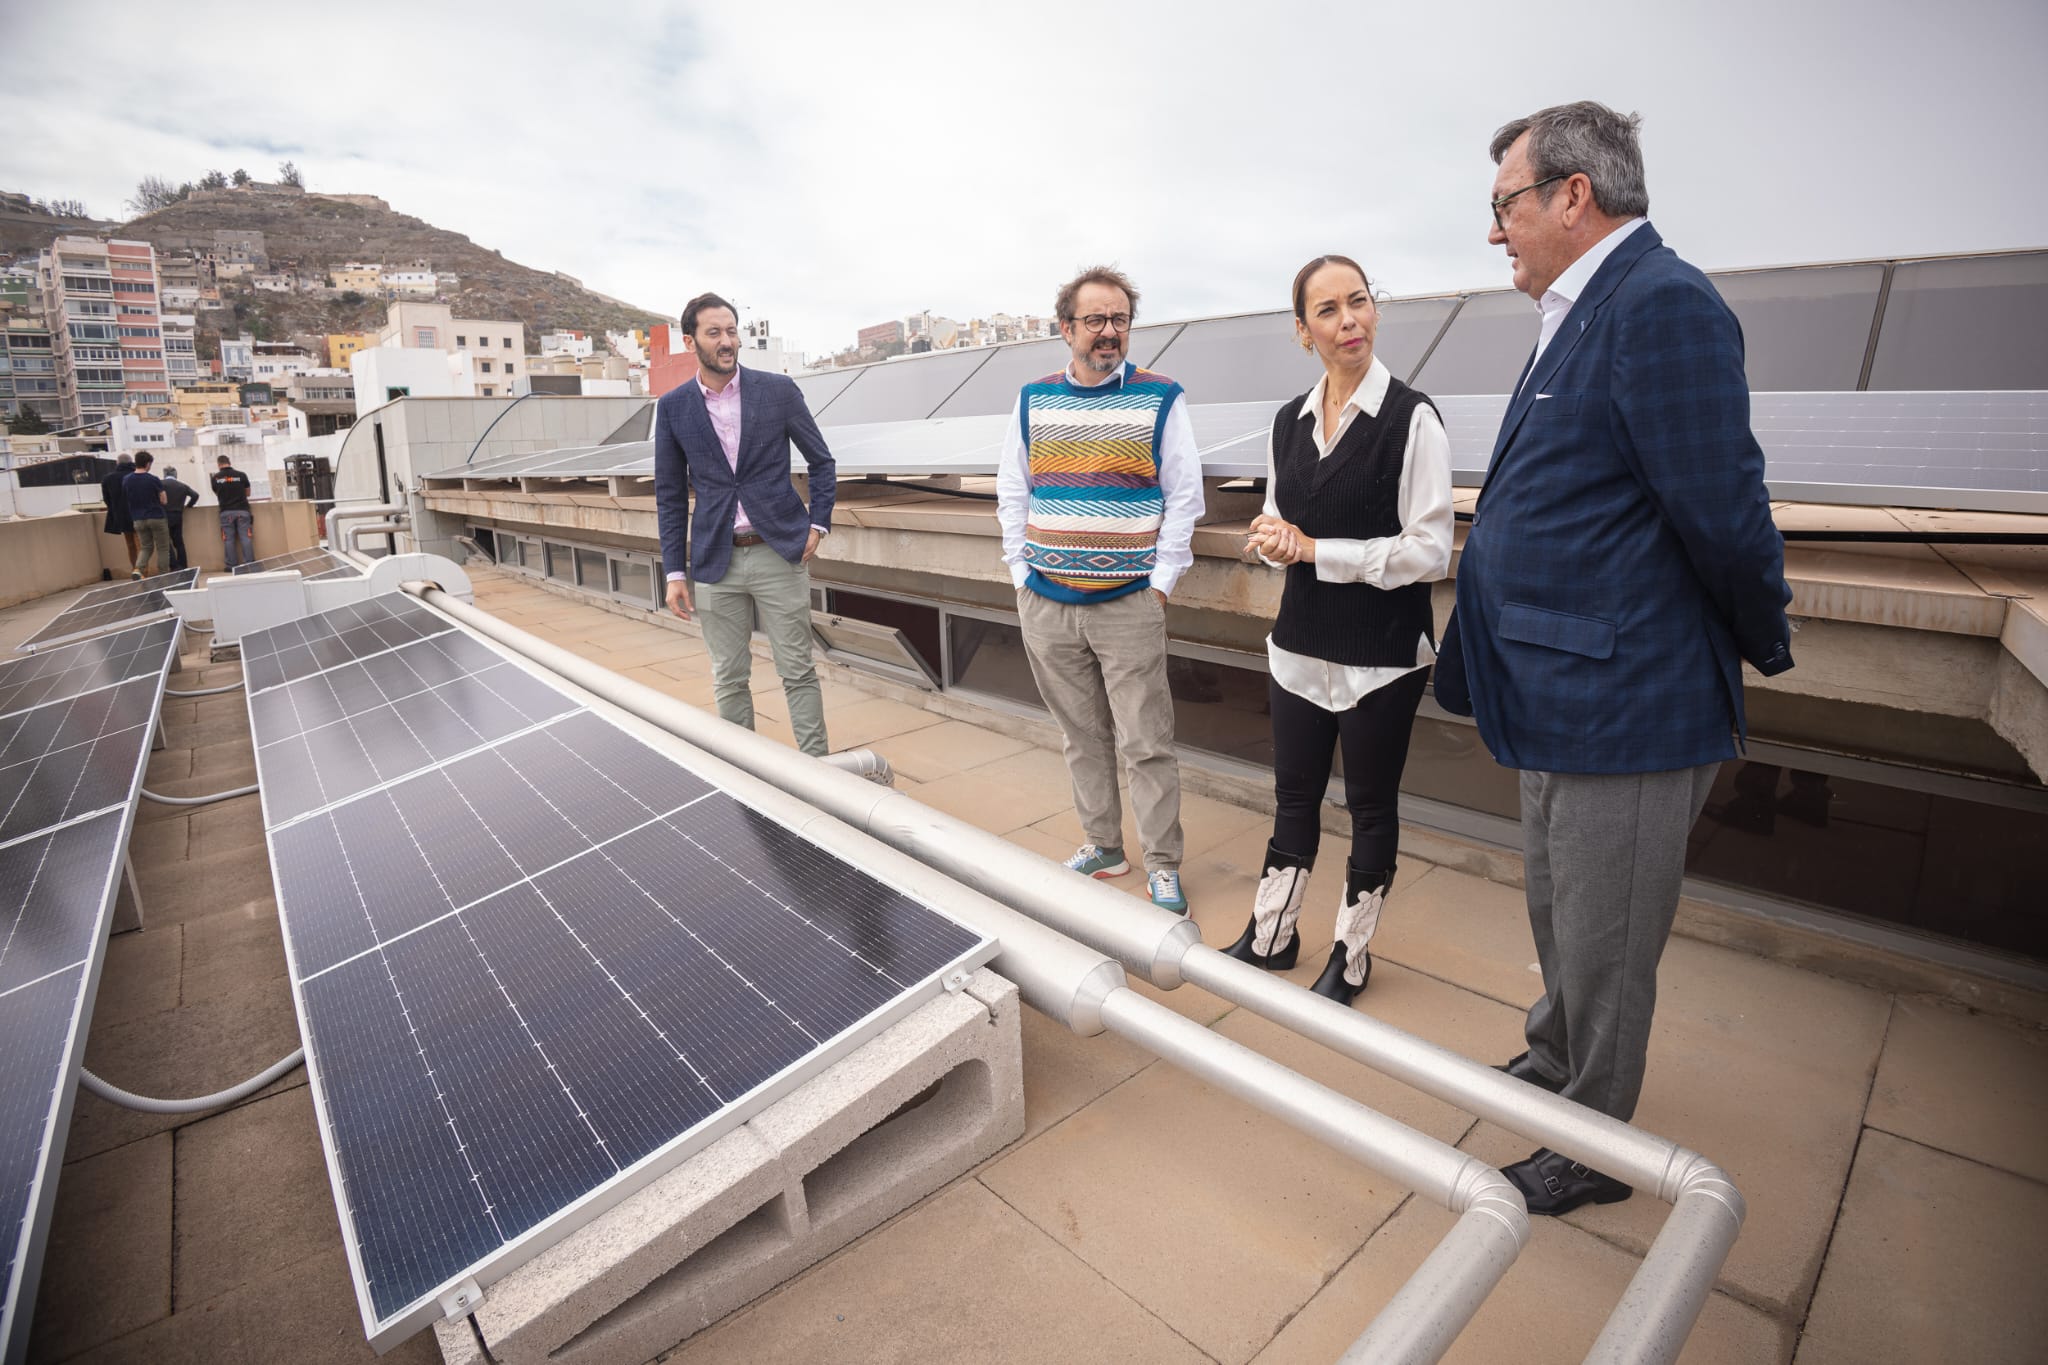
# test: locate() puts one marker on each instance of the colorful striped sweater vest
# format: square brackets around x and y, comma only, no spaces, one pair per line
[1092,532]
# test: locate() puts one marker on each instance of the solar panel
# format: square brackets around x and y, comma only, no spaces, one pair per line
[1987,450]
[70,669]
[314,564]
[297,649]
[110,607]
[74,739]
[537,961]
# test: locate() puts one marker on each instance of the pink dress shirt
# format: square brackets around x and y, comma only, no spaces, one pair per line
[723,407]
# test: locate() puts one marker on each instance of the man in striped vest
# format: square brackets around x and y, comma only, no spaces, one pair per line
[1098,492]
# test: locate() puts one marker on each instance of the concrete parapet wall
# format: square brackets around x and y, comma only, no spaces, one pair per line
[42,555]
[911,1110]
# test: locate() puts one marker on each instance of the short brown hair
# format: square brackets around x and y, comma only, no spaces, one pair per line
[700,304]
[1063,305]
[1307,272]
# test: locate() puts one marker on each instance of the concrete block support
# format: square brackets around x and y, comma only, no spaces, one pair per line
[911,1110]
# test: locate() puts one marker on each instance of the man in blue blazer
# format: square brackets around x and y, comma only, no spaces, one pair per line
[725,437]
[1621,565]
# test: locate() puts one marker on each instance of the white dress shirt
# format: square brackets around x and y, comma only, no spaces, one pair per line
[1180,485]
[1558,299]
[1419,553]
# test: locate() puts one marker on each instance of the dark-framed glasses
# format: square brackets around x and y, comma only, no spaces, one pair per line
[1097,322]
[1509,198]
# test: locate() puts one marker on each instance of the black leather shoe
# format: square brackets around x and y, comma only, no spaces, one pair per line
[1554,1184]
[1332,983]
[1522,1069]
[1280,960]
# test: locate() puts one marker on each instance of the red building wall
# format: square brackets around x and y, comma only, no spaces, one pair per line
[669,363]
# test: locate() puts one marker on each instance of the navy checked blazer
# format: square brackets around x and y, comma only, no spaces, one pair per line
[688,458]
[1622,560]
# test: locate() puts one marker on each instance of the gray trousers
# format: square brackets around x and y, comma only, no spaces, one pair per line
[1101,667]
[1604,858]
[153,534]
[725,612]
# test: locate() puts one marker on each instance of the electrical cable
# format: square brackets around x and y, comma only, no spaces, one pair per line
[114,1094]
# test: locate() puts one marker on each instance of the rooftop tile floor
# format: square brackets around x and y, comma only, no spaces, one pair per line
[1893,1150]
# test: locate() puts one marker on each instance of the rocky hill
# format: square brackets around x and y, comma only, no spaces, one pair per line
[311,233]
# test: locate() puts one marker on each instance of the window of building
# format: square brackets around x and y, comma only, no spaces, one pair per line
[423,337]
[508,343]
[461,340]
[508,367]
[488,392]
[485,366]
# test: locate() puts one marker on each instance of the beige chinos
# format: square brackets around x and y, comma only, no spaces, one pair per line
[759,576]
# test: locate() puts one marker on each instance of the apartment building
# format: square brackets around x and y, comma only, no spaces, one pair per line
[181,348]
[363,279]
[342,345]
[497,349]
[100,298]
[28,370]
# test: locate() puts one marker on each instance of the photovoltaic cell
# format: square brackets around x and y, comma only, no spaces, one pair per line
[313,564]
[547,964]
[332,638]
[108,607]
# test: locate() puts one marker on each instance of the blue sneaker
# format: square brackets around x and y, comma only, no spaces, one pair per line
[1165,887]
[1090,861]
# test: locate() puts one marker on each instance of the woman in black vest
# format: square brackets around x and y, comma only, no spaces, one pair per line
[1358,514]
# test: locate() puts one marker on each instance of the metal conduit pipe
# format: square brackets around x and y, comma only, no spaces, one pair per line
[1086,991]
[204,691]
[354,511]
[206,800]
[397,523]
[1166,949]
[864,763]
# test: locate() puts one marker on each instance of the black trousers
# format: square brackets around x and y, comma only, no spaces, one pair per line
[177,542]
[1374,734]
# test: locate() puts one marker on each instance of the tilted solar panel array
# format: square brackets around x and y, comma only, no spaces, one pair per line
[313,564]
[75,729]
[536,961]
[111,607]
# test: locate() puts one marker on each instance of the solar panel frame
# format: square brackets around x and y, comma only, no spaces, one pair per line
[70,988]
[315,564]
[66,670]
[295,836]
[133,604]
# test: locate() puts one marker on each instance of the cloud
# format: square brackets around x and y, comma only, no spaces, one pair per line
[831,165]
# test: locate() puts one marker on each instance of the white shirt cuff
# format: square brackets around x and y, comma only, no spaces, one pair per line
[1165,580]
[677,577]
[1018,573]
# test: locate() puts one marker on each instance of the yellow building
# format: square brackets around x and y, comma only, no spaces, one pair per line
[342,345]
[364,279]
[207,404]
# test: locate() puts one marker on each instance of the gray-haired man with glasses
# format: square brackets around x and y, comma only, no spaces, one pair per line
[1098,492]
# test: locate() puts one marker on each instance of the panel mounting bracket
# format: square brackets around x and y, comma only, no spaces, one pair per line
[462,1300]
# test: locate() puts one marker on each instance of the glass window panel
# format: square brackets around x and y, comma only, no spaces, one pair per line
[1485,348]
[1972,323]
[919,624]
[988,656]
[561,563]
[1804,330]
[592,570]
[894,390]
[631,578]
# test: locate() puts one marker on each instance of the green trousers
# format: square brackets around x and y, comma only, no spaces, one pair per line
[760,578]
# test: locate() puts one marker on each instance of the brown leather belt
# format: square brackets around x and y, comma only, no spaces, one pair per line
[748,538]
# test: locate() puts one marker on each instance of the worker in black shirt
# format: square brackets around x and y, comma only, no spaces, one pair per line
[231,491]
[118,522]
[178,495]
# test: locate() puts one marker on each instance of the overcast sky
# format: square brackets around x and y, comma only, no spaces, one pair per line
[833,165]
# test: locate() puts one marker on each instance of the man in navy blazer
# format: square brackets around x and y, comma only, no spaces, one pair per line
[725,436]
[1621,565]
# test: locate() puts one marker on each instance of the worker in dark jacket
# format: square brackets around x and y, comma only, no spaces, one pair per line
[115,496]
[178,496]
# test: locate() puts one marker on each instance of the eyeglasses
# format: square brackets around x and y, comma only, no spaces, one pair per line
[1095,322]
[1507,199]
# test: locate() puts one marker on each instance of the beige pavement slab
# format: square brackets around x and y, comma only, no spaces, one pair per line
[1217,1218]
[1965,1083]
[160,841]
[1546,1311]
[961,1277]
[107,1268]
[877,718]
[989,801]
[141,976]
[1063,1071]
[228,953]
[228,827]
[175,892]
[1935,1259]
[1763,1069]
[951,746]
[1466,930]
[252,1195]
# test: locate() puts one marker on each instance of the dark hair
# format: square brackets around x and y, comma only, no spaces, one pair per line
[143,459]
[1303,275]
[700,304]
[1588,138]
[1063,305]
[222,460]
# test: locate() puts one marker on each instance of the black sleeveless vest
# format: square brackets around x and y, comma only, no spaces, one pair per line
[1354,494]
